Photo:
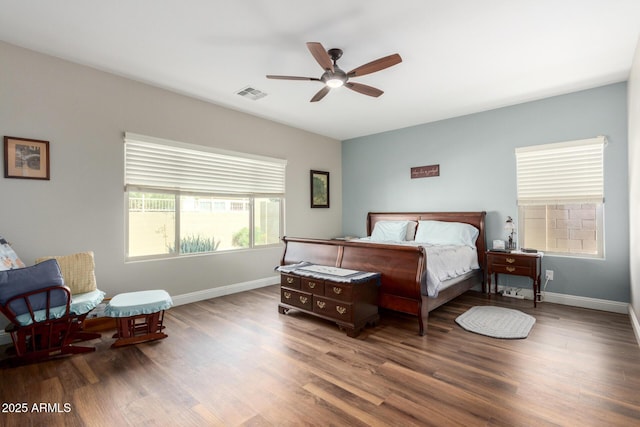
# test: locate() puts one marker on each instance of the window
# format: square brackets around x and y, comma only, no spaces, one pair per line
[561,197]
[186,199]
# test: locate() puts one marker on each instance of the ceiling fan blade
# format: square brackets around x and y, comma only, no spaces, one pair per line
[321,55]
[377,65]
[364,89]
[321,93]
[270,76]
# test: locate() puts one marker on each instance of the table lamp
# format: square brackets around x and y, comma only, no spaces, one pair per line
[511,228]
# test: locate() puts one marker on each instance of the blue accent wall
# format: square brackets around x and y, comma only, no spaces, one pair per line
[476,154]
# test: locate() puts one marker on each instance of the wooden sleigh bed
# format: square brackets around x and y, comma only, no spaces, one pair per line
[402,268]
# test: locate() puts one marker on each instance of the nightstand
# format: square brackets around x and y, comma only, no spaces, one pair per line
[517,264]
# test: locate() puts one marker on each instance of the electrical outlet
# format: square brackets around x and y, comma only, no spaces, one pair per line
[549,275]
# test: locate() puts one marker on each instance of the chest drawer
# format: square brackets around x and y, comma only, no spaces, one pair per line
[335,309]
[339,291]
[297,299]
[313,286]
[290,281]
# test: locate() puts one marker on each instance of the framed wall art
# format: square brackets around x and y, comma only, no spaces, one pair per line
[425,171]
[319,189]
[26,158]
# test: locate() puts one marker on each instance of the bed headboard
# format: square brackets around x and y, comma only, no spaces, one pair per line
[474,218]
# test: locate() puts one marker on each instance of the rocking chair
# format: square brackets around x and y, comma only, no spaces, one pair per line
[46,319]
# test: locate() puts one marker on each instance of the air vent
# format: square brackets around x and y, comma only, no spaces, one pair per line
[251,93]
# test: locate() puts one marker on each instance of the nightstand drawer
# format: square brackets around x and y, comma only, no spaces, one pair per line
[512,269]
[511,260]
[297,299]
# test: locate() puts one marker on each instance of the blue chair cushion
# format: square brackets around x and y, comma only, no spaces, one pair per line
[22,280]
[80,304]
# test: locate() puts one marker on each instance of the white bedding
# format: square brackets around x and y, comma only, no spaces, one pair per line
[444,262]
[448,262]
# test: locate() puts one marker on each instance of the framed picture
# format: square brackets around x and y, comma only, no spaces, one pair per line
[26,158]
[319,189]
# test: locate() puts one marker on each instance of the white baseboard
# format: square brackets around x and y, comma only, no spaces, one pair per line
[634,323]
[584,302]
[577,301]
[200,296]
[224,290]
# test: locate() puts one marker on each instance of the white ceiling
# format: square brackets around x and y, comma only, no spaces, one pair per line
[459,56]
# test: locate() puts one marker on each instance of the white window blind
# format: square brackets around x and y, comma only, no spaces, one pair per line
[169,165]
[561,173]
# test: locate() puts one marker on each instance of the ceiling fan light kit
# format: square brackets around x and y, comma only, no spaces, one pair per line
[334,77]
[334,82]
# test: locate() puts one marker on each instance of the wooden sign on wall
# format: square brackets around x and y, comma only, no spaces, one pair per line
[425,171]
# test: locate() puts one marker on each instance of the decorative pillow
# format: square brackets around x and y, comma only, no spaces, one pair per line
[385,231]
[22,280]
[446,233]
[78,271]
[411,230]
[8,258]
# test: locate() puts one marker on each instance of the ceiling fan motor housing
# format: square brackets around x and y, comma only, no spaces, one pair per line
[332,76]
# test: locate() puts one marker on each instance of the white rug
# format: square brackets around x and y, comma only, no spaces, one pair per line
[496,322]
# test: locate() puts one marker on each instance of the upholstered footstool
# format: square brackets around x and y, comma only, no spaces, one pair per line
[139,316]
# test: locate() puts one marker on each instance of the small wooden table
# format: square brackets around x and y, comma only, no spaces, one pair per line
[517,264]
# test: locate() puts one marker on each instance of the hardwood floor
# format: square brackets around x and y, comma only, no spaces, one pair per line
[234,361]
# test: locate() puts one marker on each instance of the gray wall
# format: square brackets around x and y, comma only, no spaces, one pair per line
[84,114]
[478,172]
[634,182]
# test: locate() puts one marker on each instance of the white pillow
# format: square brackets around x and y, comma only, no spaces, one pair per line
[446,233]
[385,231]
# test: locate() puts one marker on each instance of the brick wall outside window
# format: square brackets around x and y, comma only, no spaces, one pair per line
[567,228]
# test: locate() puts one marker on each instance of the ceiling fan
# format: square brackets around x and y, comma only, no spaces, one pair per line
[334,77]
